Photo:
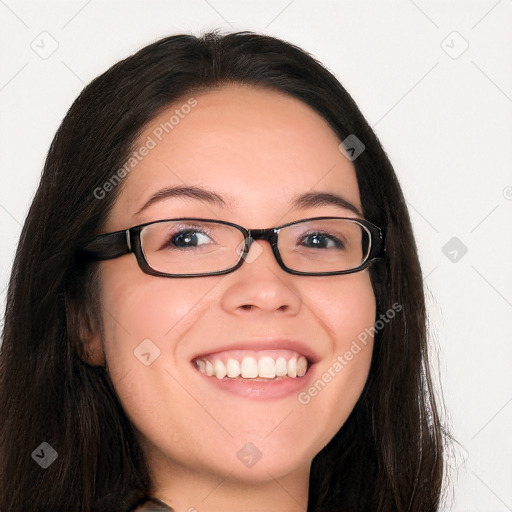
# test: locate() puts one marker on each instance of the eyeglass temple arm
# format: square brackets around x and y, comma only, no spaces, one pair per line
[379,249]
[109,246]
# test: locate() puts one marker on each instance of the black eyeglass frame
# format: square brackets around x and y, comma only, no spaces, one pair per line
[108,246]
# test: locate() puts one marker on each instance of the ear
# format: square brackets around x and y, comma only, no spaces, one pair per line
[84,331]
[90,348]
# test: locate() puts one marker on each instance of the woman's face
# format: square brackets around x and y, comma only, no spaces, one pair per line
[258,150]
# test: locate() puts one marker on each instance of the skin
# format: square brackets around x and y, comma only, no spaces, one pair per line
[258,148]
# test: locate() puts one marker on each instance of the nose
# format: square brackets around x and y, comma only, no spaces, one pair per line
[261,285]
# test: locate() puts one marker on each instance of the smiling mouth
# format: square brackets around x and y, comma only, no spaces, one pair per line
[262,366]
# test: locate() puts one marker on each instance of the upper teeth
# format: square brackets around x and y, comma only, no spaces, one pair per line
[251,367]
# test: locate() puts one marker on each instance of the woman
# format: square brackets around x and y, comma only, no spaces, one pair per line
[216,302]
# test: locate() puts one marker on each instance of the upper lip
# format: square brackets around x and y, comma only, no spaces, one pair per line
[265,344]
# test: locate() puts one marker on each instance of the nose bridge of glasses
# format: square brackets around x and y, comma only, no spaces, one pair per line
[268,235]
[261,234]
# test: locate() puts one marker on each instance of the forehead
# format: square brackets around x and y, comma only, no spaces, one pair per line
[255,147]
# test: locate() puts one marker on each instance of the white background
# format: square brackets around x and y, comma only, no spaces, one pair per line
[443,116]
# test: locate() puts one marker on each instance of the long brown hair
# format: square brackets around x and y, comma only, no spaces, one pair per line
[387,456]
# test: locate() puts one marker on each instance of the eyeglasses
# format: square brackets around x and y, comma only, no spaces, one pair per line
[194,247]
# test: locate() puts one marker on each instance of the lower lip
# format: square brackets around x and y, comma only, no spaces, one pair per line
[265,389]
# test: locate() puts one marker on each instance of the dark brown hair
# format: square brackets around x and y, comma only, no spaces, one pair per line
[387,456]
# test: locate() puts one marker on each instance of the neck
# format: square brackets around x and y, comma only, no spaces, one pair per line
[187,491]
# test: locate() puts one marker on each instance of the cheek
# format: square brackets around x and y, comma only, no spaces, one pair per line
[346,305]
[347,308]
[143,315]
[144,320]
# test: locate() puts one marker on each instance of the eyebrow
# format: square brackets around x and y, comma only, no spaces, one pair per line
[301,202]
[312,199]
[190,191]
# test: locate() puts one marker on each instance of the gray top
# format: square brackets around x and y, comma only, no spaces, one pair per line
[151,504]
